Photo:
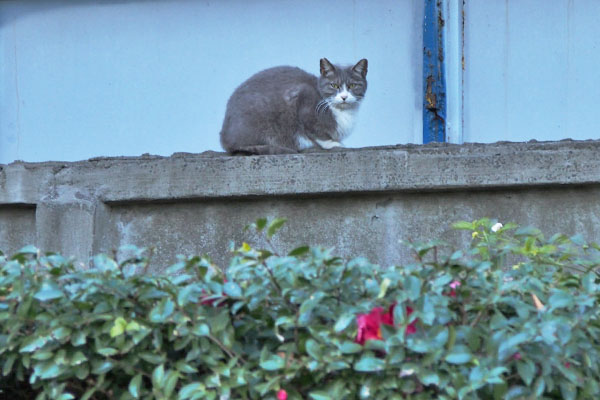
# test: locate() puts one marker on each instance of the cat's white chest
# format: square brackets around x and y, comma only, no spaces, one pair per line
[345,120]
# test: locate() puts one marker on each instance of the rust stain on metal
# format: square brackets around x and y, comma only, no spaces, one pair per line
[430,96]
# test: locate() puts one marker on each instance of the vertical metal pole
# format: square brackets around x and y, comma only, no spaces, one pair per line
[434,79]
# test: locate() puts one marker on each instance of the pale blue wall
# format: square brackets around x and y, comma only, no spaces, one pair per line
[82,78]
[532,70]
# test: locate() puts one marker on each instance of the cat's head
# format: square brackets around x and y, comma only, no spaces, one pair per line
[343,87]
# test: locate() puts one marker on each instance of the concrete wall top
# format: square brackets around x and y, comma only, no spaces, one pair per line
[217,175]
[360,201]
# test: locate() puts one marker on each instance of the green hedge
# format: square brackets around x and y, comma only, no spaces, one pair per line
[512,315]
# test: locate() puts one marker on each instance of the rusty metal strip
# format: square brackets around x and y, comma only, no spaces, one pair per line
[434,79]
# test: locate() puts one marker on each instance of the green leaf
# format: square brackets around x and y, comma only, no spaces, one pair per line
[412,285]
[42,355]
[60,333]
[78,358]
[33,343]
[107,351]
[509,346]
[47,370]
[560,299]
[8,364]
[578,240]
[261,223]
[135,385]
[309,304]
[273,363]
[118,327]
[152,358]
[190,390]
[459,354]
[158,376]
[528,231]
[184,295]
[78,338]
[219,322]
[274,226]
[526,370]
[343,322]
[314,349]
[568,391]
[49,291]
[385,284]
[298,251]
[88,393]
[29,249]
[568,372]
[162,311]
[589,282]
[185,368]
[350,347]
[101,367]
[201,330]
[320,395]
[464,225]
[429,378]
[170,383]
[369,364]
[132,327]
[232,289]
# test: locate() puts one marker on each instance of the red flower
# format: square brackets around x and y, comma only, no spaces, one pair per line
[369,325]
[281,395]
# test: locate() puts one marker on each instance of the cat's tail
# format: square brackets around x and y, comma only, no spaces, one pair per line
[263,149]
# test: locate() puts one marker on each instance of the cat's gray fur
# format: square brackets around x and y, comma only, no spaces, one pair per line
[285,109]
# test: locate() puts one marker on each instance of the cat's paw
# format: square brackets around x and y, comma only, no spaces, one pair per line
[328,144]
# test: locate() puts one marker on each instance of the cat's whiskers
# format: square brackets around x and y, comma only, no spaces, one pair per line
[322,105]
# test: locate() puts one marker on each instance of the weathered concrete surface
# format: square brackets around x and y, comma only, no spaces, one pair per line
[361,201]
[17,227]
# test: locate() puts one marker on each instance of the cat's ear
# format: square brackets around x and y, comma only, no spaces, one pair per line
[361,67]
[327,68]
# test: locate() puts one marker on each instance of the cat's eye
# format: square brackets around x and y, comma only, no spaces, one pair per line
[334,85]
[351,85]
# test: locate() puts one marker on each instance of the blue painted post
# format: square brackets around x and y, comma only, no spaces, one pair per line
[434,80]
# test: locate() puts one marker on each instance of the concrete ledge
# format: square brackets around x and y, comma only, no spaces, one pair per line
[216,175]
[362,201]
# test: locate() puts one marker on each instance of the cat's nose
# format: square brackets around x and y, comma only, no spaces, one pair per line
[343,97]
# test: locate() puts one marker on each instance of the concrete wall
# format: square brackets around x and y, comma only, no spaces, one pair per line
[361,201]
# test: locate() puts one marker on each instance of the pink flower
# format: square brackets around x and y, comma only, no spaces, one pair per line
[453,285]
[369,325]
[281,395]
[517,356]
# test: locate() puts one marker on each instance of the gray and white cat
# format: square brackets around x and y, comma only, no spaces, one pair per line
[285,109]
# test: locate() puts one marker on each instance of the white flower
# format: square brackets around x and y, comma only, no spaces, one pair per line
[496,227]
